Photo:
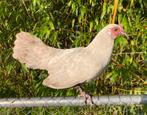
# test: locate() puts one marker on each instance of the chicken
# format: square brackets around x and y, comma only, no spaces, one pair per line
[67,67]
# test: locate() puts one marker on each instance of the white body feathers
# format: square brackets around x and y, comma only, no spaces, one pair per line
[66,67]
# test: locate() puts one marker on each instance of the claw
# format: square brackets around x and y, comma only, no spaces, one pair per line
[87,97]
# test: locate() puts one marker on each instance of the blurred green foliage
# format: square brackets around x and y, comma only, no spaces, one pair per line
[73,23]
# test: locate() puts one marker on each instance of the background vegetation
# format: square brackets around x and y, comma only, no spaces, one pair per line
[74,23]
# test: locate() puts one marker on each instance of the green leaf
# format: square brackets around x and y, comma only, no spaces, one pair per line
[73,7]
[73,23]
[103,10]
[51,25]
[91,26]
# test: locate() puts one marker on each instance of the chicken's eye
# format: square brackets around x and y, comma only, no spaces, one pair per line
[116,29]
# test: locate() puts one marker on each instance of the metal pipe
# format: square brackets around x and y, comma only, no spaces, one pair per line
[73,101]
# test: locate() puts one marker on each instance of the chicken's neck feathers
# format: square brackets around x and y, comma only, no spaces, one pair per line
[101,48]
[102,41]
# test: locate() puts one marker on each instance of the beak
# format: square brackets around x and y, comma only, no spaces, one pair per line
[123,33]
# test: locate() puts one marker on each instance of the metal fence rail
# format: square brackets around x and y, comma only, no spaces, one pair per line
[73,101]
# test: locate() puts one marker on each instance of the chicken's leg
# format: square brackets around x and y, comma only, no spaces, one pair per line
[86,96]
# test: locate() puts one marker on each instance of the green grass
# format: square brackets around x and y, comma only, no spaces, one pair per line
[102,110]
[66,24]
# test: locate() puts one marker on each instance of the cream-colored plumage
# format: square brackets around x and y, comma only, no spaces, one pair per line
[66,67]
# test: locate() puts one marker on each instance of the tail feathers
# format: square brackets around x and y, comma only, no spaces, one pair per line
[30,50]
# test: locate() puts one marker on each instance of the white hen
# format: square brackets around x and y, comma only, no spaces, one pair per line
[67,67]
